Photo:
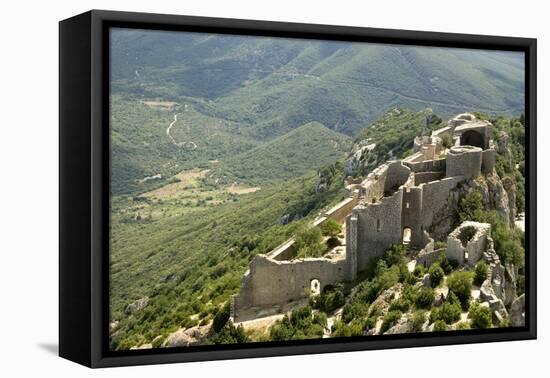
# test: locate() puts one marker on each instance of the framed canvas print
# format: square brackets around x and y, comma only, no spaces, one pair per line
[233,188]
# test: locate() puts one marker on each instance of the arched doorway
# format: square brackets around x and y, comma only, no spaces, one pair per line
[315,287]
[407,235]
[472,138]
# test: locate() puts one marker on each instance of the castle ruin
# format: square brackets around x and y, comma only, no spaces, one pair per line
[398,202]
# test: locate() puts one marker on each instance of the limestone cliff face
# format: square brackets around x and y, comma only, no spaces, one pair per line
[362,158]
[495,195]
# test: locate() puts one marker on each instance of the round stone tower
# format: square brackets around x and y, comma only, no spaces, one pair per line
[464,161]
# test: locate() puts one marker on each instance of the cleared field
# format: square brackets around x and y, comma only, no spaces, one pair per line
[166,105]
[185,180]
[242,189]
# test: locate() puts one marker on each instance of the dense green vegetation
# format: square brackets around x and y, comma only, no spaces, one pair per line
[306,148]
[480,273]
[460,284]
[511,167]
[480,316]
[189,259]
[448,312]
[309,242]
[436,274]
[276,84]
[332,297]
[141,148]
[509,241]
[301,324]
[278,114]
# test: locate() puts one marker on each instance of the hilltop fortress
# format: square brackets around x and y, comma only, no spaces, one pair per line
[398,202]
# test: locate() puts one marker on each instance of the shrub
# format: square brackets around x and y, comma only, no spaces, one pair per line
[409,293]
[480,316]
[440,245]
[447,140]
[436,274]
[221,318]
[282,330]
[470,205]
[330,299]
[419,270]
[460,283]
[320,318]
[300,315]
[480,273]
[340,329]
[463,325]
[447,265]
[504,323]
[355,310]
[331,228]
[425,298]
[404,275]
[417,320]
[440,326]
[309,242]
[299,325]
[394,254]
[157,341]
[230,335]
[333,242]
[449,313]
[391,318]
[400,304]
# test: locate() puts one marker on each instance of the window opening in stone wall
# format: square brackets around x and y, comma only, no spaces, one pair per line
[406,235]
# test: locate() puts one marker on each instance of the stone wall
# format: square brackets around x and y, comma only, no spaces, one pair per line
[411,215]
[284,252]
[434,197]
[423,177]
[397,174]
[270,282]
[488,161]
[482,128]
[437,165]
[373,185]
[467,243]
[378,225]
[464,161]
[342,209]
[428,257]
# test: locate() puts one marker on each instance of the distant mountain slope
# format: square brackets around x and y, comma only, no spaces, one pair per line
[143,145]
[306,148]
[275,84]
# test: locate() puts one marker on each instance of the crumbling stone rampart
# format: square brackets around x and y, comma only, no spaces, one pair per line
[397,198]
[467,243]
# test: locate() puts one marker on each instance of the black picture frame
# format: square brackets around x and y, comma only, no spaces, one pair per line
[84,192]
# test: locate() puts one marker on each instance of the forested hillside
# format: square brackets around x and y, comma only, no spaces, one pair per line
[275,84]
[223,146]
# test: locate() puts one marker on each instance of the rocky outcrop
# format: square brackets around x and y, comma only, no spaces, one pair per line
[517,312]
[136,306]
[187,337]
[510,187]
[357,157]
[382,303]
[406,325]
[504,146]
[494,196]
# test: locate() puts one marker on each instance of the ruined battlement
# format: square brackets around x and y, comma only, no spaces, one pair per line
[395,203]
